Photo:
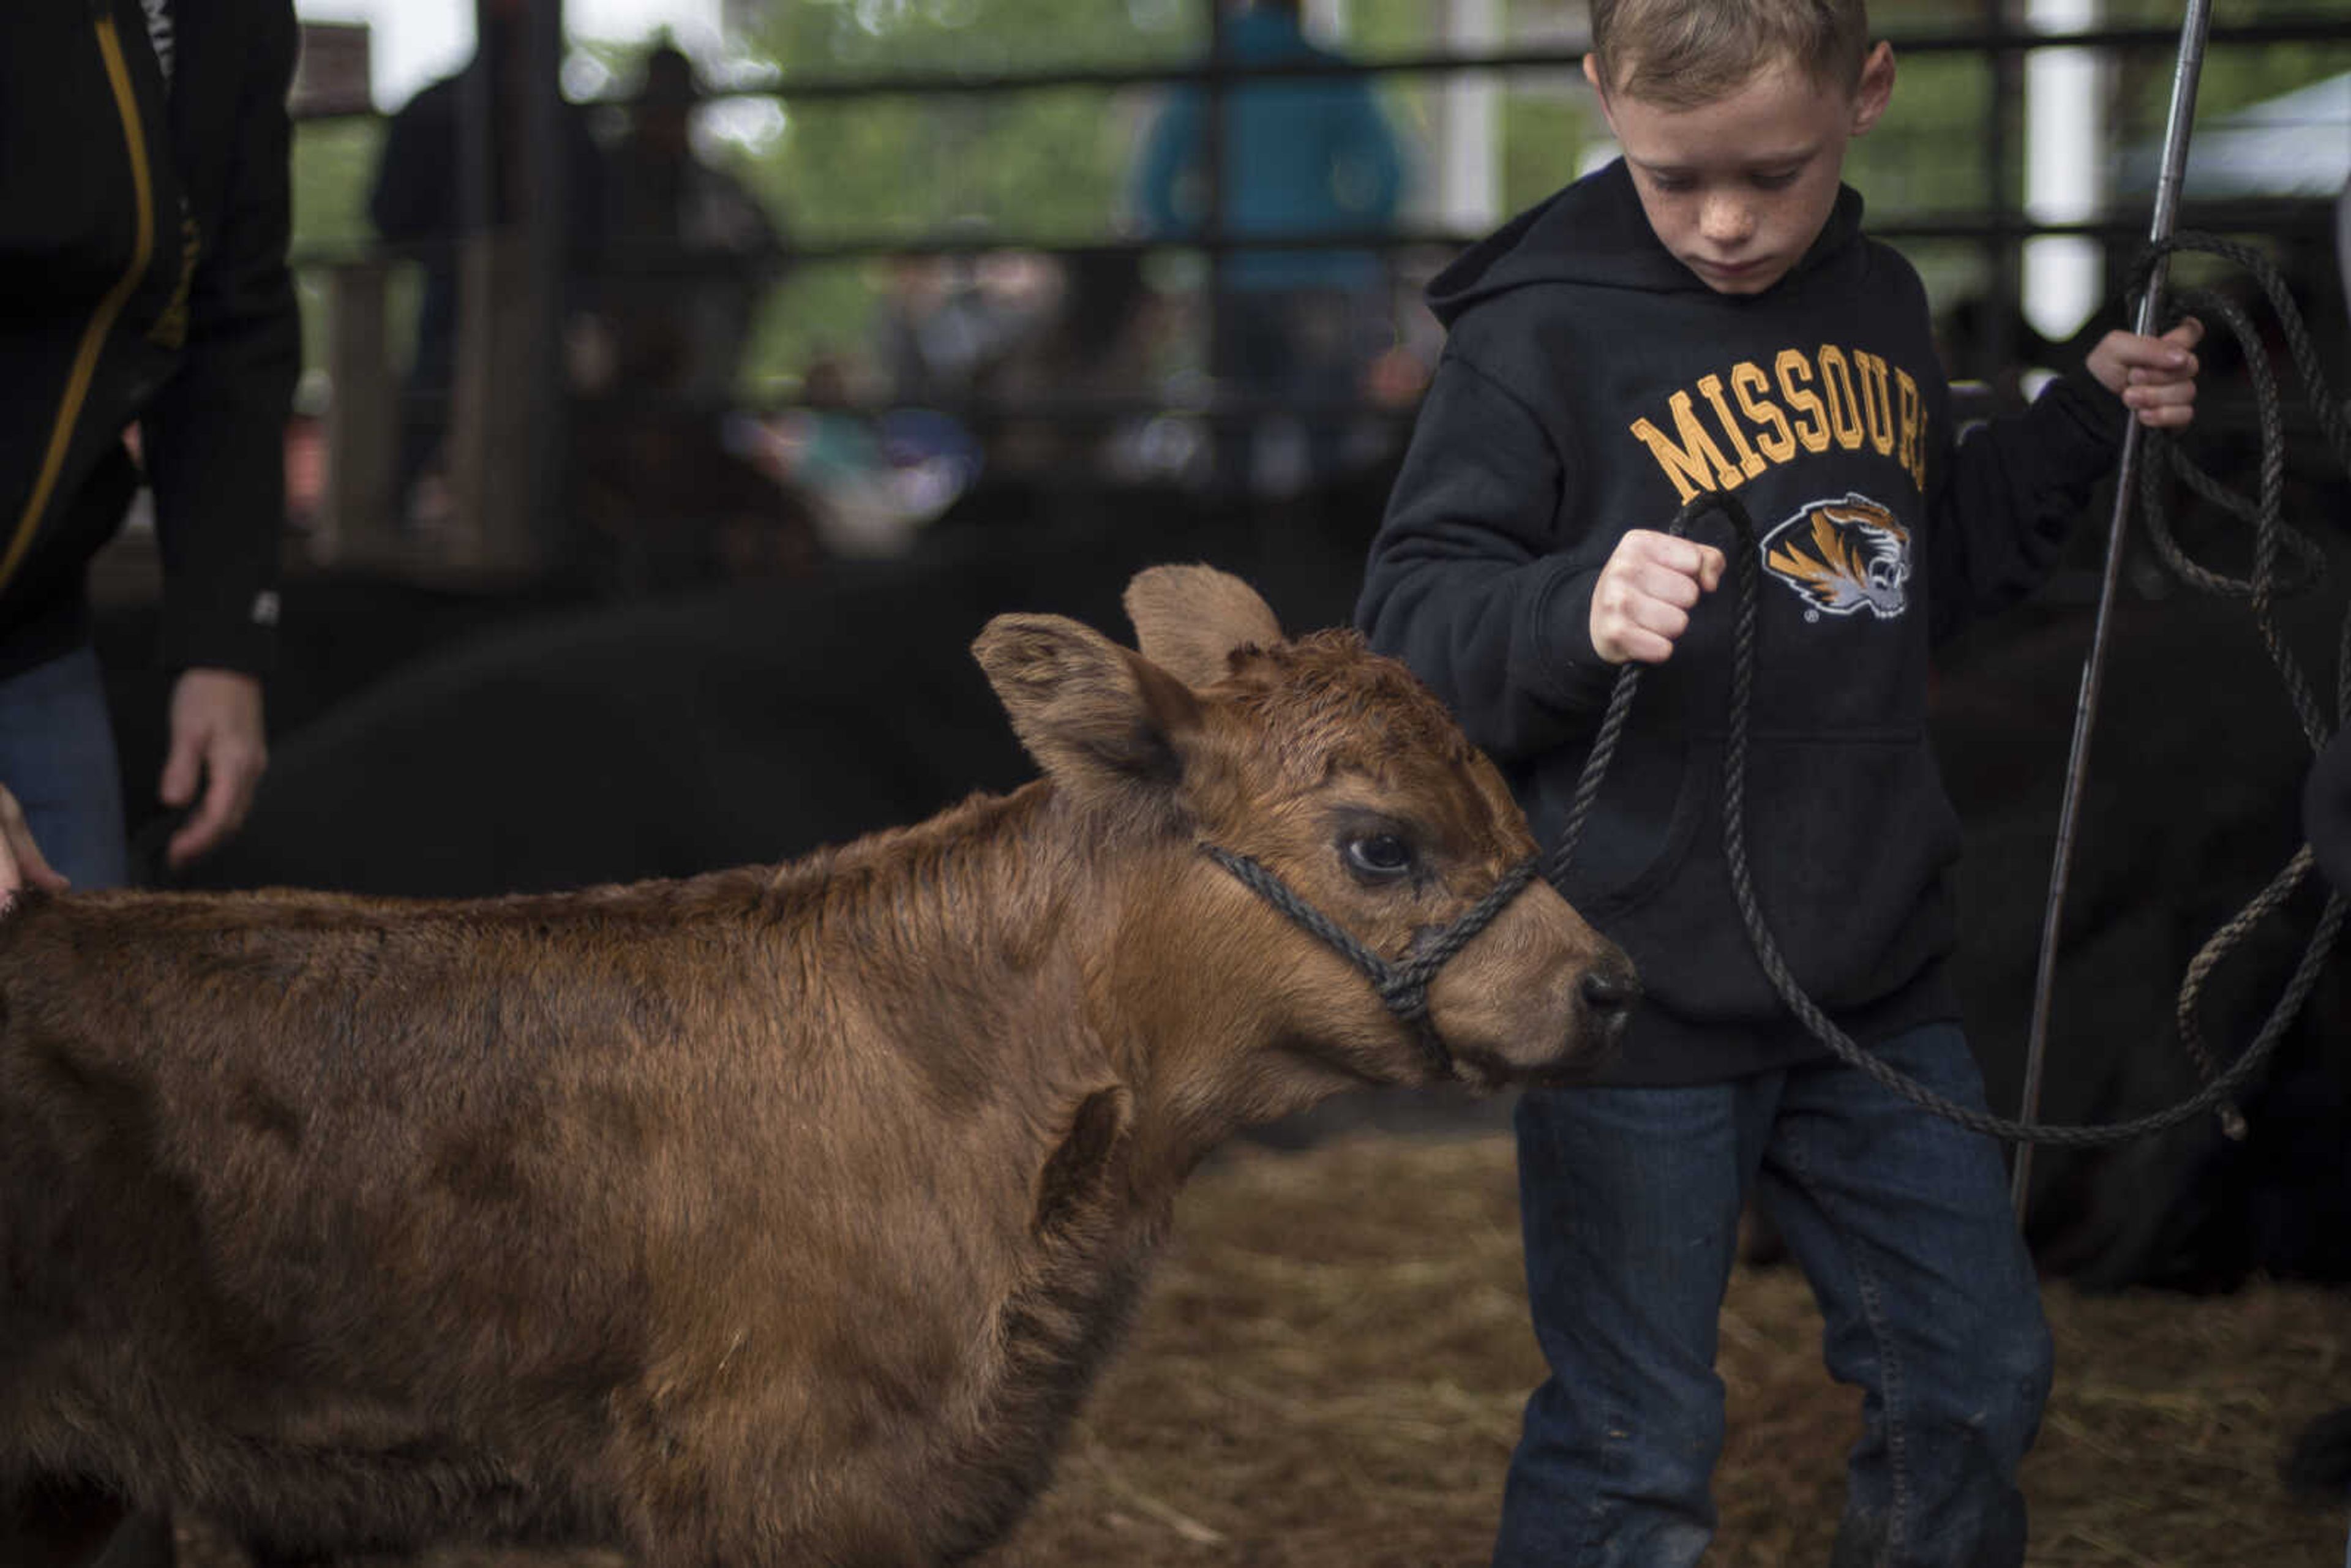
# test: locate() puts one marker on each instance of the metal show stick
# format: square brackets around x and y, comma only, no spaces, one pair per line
[2191,68]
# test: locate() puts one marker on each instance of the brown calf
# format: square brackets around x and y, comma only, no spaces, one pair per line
[777,1217]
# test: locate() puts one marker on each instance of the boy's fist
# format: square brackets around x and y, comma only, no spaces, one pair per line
[2155,377]
[1642,603]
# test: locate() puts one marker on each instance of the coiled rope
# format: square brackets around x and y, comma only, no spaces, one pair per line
[2273,538]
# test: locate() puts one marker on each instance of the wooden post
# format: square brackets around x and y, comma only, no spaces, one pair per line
[492,410]
[355,519]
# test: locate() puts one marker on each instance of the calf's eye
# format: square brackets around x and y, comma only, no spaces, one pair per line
[1380,856]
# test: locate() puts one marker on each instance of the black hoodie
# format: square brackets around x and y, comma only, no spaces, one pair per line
[143,228]
[1591,384]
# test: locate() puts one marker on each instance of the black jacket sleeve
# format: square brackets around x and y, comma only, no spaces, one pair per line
[415,193]
[2013,489]
[214,436]
[1466,584]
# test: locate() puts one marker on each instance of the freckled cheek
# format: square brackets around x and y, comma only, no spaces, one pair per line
[1805,213]
[1674,218]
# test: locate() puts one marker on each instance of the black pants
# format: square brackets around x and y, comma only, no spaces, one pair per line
[1292,353]
[142,1541]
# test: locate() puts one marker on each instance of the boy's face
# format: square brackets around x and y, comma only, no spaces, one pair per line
[1737,188]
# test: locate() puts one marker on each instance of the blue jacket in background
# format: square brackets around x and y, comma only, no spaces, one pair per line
[1301,156]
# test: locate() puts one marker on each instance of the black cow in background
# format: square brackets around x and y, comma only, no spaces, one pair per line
[2191,806]
[618,743]
[547,743]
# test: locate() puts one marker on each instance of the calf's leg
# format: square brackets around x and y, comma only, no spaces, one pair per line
[141,1541]
[58,1523]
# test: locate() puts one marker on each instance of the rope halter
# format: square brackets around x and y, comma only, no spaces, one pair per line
[1402,986]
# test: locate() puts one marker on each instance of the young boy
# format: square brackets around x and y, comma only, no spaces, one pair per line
[1705,314]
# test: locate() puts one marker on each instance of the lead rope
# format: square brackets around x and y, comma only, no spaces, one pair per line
[2271,536]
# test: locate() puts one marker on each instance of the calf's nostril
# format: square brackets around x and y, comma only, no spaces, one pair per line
[1610,992]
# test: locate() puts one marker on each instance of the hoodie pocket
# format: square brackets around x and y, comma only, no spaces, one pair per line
[1847,843]
[1650,807]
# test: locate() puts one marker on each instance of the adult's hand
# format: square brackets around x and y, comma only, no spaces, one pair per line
[217,743]
[21,861]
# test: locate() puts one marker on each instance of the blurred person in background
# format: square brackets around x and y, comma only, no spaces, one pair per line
[949,323]
[1299,157]
[693,252]
[662,492]
[418,203]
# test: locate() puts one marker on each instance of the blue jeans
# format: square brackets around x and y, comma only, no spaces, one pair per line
[56,757]
[1630,1201]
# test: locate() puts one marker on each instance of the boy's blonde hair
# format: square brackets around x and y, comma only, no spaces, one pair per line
[1678,53]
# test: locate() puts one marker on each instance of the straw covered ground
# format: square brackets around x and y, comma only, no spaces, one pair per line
[1328,1371]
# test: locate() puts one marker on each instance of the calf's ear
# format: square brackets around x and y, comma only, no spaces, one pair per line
[1089,711]
[1191,620]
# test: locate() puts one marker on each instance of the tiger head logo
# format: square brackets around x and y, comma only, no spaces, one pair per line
[1841,557]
